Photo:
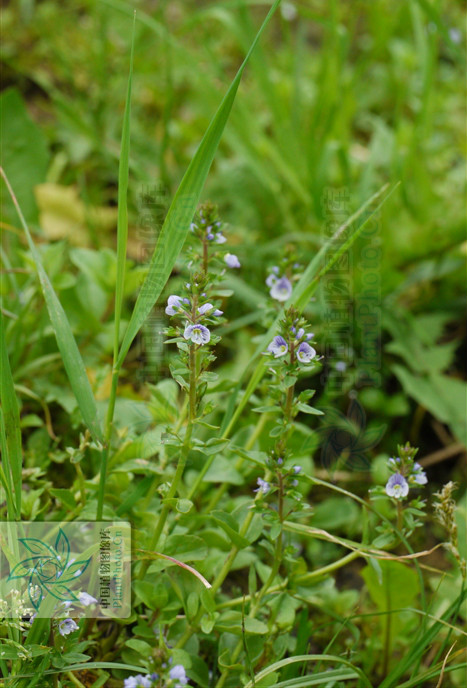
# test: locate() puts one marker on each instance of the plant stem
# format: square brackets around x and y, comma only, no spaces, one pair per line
[105,451]
[181,461]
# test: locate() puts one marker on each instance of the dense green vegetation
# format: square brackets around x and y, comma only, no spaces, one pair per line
[347,115]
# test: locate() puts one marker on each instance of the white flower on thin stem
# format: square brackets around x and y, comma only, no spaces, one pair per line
[264,486]
[174,305]
[232,260]
[281,290]
[397,486]
[87,599]
[202,310]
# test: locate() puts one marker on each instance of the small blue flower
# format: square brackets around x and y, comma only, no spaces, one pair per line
[297,469]
[232,260]
[199,334]
[67,626]
[217,313]
[341,366]
[278,347]
[87,599]
[271,280]
[305,353]
[178,672]
[174,305]
[138,681]
[144,682]
[397,486]
[281,290]
[418,475]
[264,486]
[202,310]
[130,682]
[220,238]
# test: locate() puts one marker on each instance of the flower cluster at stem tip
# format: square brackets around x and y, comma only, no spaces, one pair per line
[406,473]
[293,341]
[207,266]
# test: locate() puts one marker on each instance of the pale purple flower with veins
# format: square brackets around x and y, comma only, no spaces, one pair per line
[198,334]
[397,486]
[278,346]
[67,626]
[232,260]
[281,290]
[305,353]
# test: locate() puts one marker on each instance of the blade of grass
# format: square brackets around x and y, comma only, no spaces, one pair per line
[12,461]
[418,648]
[66,342]
[183,207]
[122,240]
[309,658]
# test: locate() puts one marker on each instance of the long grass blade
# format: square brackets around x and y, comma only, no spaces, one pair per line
[11,433]
[309,658]
[122,220]
[175,228]
[66,342]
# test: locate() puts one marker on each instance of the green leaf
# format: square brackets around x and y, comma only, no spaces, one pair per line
[230,527]
[398,588]
[182,209]
[153,596]
[445,397]
[185,548]
[141,647]
[223,471]
[69,351]
[304,408]
[231,622]
[24,152]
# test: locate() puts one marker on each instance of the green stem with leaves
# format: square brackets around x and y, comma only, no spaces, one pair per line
[181,461]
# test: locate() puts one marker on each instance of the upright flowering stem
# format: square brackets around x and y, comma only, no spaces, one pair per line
[181,461]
